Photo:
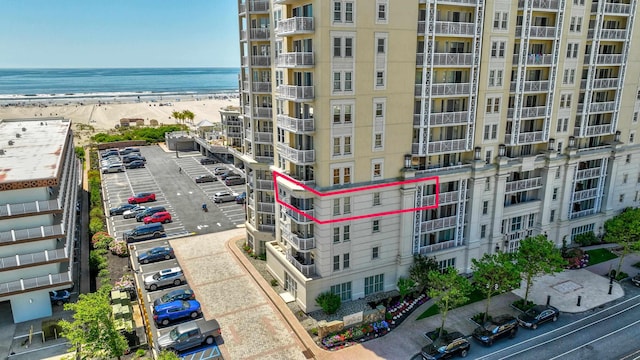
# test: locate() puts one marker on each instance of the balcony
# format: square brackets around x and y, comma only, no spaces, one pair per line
[265,207]
[450,197]
[425,250]
[39,282]
[609,83]
[295,125]
[588,173]
[532,86]
[259,6]
[295,26]
[609,34]
[437,224]
[540,4]
[260,87]
[523,185]
[540,32]
[526,137]
[455,2]
[295,60]
[261,112]
[594,130]
[30,208]
[595,107]
[528,112]
[298,216]
[445,89]
[447,59]
[263,137]
[34,259]
[307,270]
[535,59]
[444,118]
[296,156]
[605,59]
[265,185]
[577,214]
[610,8]
[299,241]
[454,28]
[446,146]
[585,194]
[259,34]
[518,235]
[261,60]
[295,92]
[31,234]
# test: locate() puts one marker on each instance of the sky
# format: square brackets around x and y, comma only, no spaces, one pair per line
[118,33]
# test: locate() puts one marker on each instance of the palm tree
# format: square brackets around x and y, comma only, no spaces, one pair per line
[189,115]
[177,115]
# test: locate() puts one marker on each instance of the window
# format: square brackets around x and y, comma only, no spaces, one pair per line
[336,235]
[558,174]
[483,231]
[376,199]
[341,176]
[336,262]
[628,160]
[563,125]
[555,194]
[375,252]
[348,12]
[342,113]
[381,46]
[552,216]
[348,47]
[382,12]
[445,264]
[377,141]
[337,47]
[624,178]
[375,226]
[500,20]
[572,50]
[346,205]
[342,47]
[485,207]
[345,261]
[576,24]
[376,169]
[495,78]
[578,2]
[569,76]
[493,105]
[498,49]
[346,233]
[344,290]
[379,78]
[336,207]
[487,158]
[337,11]
[373,284]
[336,81]
[379,109]
[487,185]
[490,132]
[348,81]
[336,146]
[559,146]
[631,137]
[635,117]
[565,101]
[621,197]
[343,12]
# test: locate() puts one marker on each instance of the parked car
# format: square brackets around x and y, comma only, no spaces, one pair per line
[59,297]
[135,164]
[166,277]
[537,315]
[224,196]
[142,198]
[113,168]
[207,161]
[234,180]
[240,199]
[131,213]
[133,157]
[189,335]
[144,232]
[148,212]
[129,150]
[205,178]
[220,170]
[446,346]
[180,294]
[119,210]
[109,153]
[227,174]
[156,254]
[164,314]
[159,217]
[636,280]
[496,328]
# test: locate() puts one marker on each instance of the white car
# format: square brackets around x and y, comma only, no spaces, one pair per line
[131,213]
[113,168]
[224,196]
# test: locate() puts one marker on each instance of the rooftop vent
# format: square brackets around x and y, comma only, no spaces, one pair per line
[24,129]
[1,152]
[41,123]
[10,142]
[18,135]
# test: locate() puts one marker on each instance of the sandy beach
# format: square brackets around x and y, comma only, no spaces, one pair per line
[104,115]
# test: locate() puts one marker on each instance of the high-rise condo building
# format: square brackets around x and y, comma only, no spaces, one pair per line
[446,128]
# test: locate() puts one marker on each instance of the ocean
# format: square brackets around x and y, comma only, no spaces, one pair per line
[42,84]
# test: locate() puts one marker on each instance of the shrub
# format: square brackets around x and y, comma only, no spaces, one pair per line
[140,353]
[119,247]
[95,198]
[96,225]
[96,261]
[274,282]
[79,153]
[479,318]
[314,331]
[92,175]
[405,287]
[96,212]
[586,239]
[520,305]
[618,276]
[104,276]
[100,236]
[329,302]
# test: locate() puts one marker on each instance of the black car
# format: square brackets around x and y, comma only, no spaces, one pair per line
[496,328]
[129,150]
[537,315]
[446,346]
[109,153]
[133,157]
[119,210]
[205,178]
[156,254]
[59,297]
[135,164]
[227,174]
[181,294]
[207,161]
[148,212]
[636,280]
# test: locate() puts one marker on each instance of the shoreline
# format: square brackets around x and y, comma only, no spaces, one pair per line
[110,98]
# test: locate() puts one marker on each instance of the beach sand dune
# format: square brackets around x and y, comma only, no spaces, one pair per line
[105,116]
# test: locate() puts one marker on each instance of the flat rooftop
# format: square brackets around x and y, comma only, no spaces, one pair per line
[31,148]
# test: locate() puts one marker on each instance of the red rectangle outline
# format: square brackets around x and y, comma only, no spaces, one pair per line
[352,190]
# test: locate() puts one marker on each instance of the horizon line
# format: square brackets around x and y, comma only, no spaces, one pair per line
[121,67]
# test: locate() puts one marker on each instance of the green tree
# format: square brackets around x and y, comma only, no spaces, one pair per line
[92,333]
[178,116]
[329,302]
[189,115]
[538,256]
[419,271]
[80,154]
[405,287]
[450,290]
[168,355]
[494,274]
[624,230]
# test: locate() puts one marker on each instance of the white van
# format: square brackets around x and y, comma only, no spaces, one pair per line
[113,168]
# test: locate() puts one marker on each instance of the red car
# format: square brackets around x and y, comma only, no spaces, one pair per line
[142,198]
[161,217]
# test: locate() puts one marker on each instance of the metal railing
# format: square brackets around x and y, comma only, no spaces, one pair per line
[298,216]
[306,269]
[523,185]
[446,145]
[535,59]
[35,282]
[295,92]
[295,125]
[526,137]
[612,8]
[449,197]
[582,213]
[541,4]
[32,233]
[299,241]
[295,59]
[588,173]
[30,207]
[593,130]
[295,155]
[539,31]
[437,224]
[294,25]
[439,246]
[448,59]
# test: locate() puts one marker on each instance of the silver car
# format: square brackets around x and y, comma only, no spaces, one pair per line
[224,196]
[166,277]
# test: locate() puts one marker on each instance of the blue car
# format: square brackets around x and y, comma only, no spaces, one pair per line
[156,254]
[164,314]
[59,297]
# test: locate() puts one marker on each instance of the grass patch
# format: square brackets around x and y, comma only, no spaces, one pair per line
[636,265]
[473,296]
[597,256]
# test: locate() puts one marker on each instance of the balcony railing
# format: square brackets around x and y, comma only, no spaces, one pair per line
[33,258]
[261,87]
[610,8]
[36,233]
[295,59]
[447,59]
[605,59]
[299,241]
[296,156]
[295,92]
[450,197]
[424,250]
[263,137]
[535,59]
[298,217]
[306,269]
[523,185]
[594,130]
[582,213]
[445,89]
[588,173]
[529,112]
[262,112]
[259,6]
[446,145]
[437,224]
[295,125]
[445,118]
[609,34]
[541,4]
[532,86]
[294,25]
[264,184]
[259,34]
[261,60]
[267,228]
[585,194]
[38,282]
[454,28]
[602,83]
[539,31]
[34,207]
[518,235]
[526,137]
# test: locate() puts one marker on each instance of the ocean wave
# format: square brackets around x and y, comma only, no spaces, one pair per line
[111,95]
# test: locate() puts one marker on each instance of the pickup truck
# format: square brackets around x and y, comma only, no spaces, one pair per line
[189,335]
